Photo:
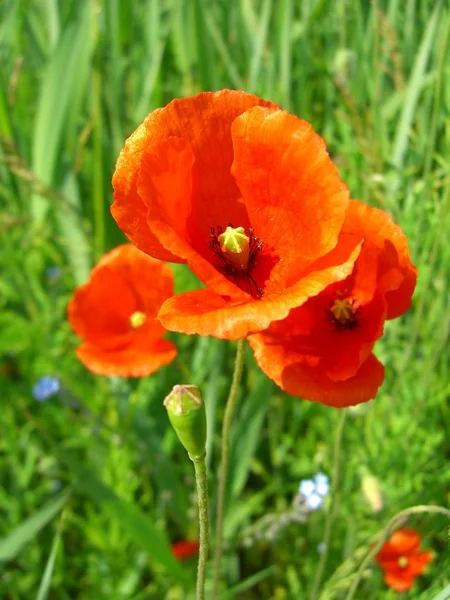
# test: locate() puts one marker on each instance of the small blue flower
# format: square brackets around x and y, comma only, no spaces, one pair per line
[306,487]
[53,273]
[314,501]
[314,490]
[45,388]
[322,484]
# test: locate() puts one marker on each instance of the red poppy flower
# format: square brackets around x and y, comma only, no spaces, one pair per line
[402,560]
[115,314]
[185,549]
[323,350]
[247,196]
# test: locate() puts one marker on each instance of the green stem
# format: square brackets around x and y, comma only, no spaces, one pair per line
[224,452]
[398,520]
[332,509]
[203,517]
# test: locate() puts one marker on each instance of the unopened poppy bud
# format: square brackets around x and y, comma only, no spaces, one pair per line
[371,490]
[187,414]
[235,245]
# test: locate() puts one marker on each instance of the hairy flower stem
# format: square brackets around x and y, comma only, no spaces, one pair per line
[203,517]
[224,453]
[332,508]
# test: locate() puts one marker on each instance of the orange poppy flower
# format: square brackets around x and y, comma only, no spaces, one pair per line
[402,560]
[323,350]
[247,196]
[185,549]
[115,314]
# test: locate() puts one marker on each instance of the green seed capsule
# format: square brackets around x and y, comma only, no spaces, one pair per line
[186,412]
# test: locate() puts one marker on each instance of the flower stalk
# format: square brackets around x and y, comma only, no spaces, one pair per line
[203,517]
[186,412]
[332,508]
[224,453]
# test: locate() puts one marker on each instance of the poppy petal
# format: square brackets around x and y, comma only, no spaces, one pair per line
[204,121]
[379,228]
[399,583]
[185,548]
[404,541]
[108,327]
[150,280]
[301,375]
[418,562]
[295,199]
[130,361]
[115,314]
[128,209]
[311,384]
[345,351]
[206,313]
[168,183]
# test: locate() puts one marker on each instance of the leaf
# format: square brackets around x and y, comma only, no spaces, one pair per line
[13,543]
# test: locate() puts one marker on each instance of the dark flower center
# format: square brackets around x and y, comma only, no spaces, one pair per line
[343,313]
[237,251]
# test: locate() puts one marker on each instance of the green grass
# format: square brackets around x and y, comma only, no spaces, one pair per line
[77,77]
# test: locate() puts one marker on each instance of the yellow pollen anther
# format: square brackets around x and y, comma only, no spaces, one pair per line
[403,562]
[235,245]
[343,311]
[137,319]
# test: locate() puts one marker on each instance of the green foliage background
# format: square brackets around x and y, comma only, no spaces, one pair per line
[94,485]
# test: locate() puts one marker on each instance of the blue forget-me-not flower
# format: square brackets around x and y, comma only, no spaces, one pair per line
[314,490]
[45,388]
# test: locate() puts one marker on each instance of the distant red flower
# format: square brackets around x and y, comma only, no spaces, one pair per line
[323,350]
[402,560]
[185,548]
[247,196]
[115,314]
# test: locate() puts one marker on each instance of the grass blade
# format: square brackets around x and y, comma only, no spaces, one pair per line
[248,583]
[44,587]
[444,594]
[259,45]
[414,88]
[13,543]
[74,237]
[63,85]
[246,434]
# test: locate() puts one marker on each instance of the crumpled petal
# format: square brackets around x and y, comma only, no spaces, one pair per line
[400,275]
[206,313]
[301,375]
[294,197]
[204,121]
